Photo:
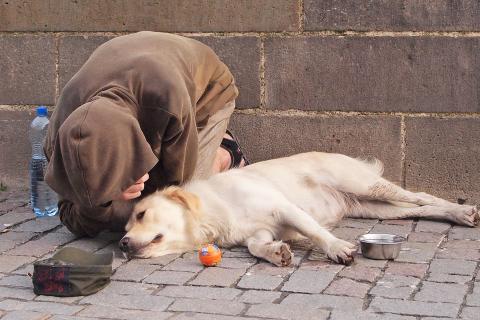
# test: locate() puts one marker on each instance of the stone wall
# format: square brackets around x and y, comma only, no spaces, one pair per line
[398,80]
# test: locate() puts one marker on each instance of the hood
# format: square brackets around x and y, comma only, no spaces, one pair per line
[99,151]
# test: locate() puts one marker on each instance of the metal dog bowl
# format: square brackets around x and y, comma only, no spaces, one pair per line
[381,246]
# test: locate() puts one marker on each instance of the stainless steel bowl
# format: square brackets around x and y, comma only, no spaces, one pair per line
[381,246]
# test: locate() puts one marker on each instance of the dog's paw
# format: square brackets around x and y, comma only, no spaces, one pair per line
[465,215]
[341,252]
[281,255]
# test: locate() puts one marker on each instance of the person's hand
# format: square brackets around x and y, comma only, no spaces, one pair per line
[135,190]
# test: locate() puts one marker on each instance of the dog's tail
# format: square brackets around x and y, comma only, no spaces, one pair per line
[373,164]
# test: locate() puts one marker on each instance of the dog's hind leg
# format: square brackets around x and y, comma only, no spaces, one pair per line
[460,214]
[261,245]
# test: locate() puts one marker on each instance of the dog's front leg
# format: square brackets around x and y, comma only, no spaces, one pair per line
[336,249]
[261,245]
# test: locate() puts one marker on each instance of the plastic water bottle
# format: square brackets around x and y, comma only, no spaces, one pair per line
[42,198]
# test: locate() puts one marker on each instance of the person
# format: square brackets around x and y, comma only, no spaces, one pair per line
[145,111]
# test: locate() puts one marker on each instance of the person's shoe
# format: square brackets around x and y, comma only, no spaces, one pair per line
[233,148]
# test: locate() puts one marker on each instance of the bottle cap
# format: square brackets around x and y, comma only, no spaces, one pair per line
[42,111]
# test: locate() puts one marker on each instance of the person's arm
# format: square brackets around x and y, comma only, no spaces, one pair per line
[83,221]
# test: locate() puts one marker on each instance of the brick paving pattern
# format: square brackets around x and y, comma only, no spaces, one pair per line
[436,276]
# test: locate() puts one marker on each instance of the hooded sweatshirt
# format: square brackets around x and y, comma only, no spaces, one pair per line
[134,107]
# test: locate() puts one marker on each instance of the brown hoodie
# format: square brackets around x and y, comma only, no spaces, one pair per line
[134,107]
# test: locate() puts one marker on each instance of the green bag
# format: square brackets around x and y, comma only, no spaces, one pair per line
[72,272]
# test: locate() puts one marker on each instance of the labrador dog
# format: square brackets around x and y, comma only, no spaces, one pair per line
[266,203]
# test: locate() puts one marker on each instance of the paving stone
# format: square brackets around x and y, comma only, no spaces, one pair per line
[200,292]
[203,316]
[237,263]
[39,224]
[456,253]
[288,312]
[365,224]
[26,315]
[68,300]
[17,237]
[450,266]
[169,277]
[448,278]
[348,287]
[324,301]
[343,315]
[416,308]
[473,299]
[189,264]
[218,277]
[123,314]
[89,244]
[17,293]
[128,288]
[16,281]
[360,273]
[266,268]
[133,272]
[257,281]
[362,261]
[426,237]
[348,234]
[324,265]
[6,245]
[441,292]
[401,230]
[470,313]
[432,226]
[257,296]
[236,254]
[308,281]
[400,222]
[416,252]
[417,270]
[43,245]
[10,263]
[162,261]
[142,302]
[394,286]
[207,306]
[463,244]
[47,307]
[71,318]
[13,218]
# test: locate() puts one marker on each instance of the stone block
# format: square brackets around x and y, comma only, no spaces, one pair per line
[287,312]
[441,292]
[169,277]
[43,307]
[122,314]
[450,266]
[25,315]
[207,306]
[142,302]
[379,15]
[415,308]
[10,263]
[27,68]
[195,292]
[416,270]
[218,277]
[133,272]
[163,15]
[376,74]
[265,137]
[345,315]
[416,252]
[258,296]
[324,301]
[242,56]
[261,282]
[395,286]
[308,281]
[361,273]
[348,287]
[441,157]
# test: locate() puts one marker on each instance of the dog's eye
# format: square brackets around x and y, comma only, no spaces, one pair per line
[140,215]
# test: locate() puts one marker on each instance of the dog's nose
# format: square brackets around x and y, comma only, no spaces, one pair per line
[123,244]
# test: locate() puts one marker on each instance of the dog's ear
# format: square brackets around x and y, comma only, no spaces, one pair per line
[186,199]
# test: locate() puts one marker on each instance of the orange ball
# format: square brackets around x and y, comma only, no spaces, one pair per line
[210,255]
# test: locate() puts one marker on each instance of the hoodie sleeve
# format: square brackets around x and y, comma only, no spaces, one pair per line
[83,221]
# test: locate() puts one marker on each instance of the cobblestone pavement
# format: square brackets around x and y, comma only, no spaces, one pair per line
[436,276]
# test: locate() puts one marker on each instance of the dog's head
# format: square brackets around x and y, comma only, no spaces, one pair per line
[159,224]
